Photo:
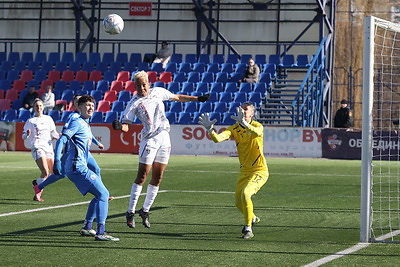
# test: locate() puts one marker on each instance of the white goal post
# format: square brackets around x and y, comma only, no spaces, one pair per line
[380,174]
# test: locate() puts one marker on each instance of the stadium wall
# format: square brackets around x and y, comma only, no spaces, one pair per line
[251,31]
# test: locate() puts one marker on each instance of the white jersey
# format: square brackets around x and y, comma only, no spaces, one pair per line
[43,130]
[150,111]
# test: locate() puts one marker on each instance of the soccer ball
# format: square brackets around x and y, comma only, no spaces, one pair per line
[113,24]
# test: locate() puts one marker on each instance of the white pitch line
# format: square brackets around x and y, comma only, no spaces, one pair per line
[87,202]
[350,250]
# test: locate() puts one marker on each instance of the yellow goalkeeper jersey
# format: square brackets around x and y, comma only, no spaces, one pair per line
[249,143]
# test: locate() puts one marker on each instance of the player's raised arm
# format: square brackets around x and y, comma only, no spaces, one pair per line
[188,98]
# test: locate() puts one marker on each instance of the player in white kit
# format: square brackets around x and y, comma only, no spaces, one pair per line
[41,130]
[155,145]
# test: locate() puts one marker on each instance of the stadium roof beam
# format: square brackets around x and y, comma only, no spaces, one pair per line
[78,13]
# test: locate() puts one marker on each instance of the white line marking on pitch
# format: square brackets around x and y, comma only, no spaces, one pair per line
[87,202]
[348,251]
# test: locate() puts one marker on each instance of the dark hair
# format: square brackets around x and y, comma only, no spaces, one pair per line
[164,42]
[85,98]
[344,101]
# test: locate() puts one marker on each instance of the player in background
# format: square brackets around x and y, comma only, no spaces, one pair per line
[248,135]
[155,144]
[41,130]
[92,164]
[78,136]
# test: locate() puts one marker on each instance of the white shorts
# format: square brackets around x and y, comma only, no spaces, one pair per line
[155,149]
[40,152]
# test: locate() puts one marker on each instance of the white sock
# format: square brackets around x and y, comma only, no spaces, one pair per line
[150,197]
[39,180]
[135,193]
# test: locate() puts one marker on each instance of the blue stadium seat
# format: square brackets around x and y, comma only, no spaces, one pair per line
[231,87]
[225,97]
[213,97]
[260,87]
[227,120]
[129,66]
[190,58]
[176,58]
[260,59]
[111,116]
[287,61]
[207,77]
[10,115]
[55,115]
[187,87]
[23,115]
[185,67]
[6,65]
[97,95]
[143,66]
[174,87]
[199,67]
[109,76]
[265,78]
[245,87]
[220,107]
[94,57]
[193,77]
[245,58]
[175,107]
[124,96]
[302,61]
[213,67]
[88,86]
[88,66]
[227,67]
[67,95]
[117,106]
[33,66]
[3,56]
[190,107]
[221,77]
[205,107]
[179,77]
[274,59]
[27,57]
[232,58]
[184,118]
[218,58]
[67,57]
[108,57]
[116,66]
[40,57]
[122,57]
[54,57]
[20,66]
[216,87]
[64,116]
[135,57]
[97,117]
[239,97]
[13,57]
[103,86]
[171,67]
[81,57]
[202,87]
[60,66]
[74,66]
[171,116]
[159,84]
[74,85]
[255,98]
[217,116]
[157,67]
[240,67]
[204,58]
[270,68]
[232,106]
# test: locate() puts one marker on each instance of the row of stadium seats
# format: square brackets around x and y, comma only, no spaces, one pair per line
[108,58]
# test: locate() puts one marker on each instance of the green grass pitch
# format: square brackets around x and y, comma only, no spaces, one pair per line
[309,209]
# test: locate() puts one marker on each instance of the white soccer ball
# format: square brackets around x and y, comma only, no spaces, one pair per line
[113,24]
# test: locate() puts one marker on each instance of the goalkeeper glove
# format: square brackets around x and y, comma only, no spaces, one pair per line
[117,125]
[57,167]
[204,120]
[240,117]
[203,98]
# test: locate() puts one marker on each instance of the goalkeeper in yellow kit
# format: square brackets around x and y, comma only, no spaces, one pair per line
[248,135]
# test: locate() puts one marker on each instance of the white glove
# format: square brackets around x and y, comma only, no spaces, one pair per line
[204,120]
[240,117]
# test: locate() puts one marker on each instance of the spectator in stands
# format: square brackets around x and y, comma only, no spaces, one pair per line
[29,99]
[48,99]
[343,117]
[252,72]
[163,55]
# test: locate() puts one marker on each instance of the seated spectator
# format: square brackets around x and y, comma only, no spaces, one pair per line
[48,99]
[27,102]
[163,55]
[251,73]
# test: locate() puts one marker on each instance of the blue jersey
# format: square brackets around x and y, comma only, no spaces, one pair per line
[79,140]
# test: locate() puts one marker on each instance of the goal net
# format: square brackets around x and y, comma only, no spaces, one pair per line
[380,184]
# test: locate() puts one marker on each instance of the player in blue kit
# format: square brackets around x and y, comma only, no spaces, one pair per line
[92,164]
[78,137]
